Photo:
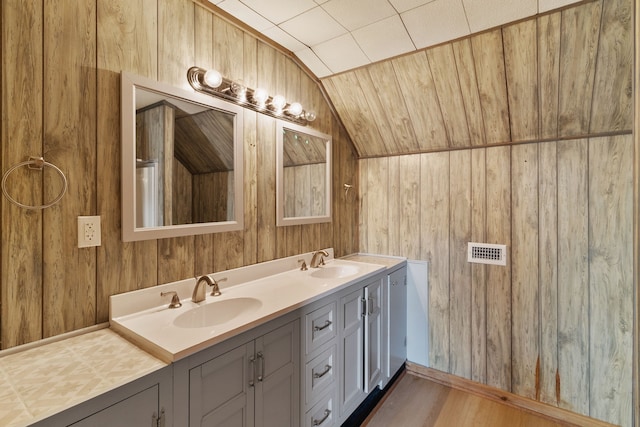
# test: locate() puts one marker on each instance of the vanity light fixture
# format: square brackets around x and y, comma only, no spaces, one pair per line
[213,83]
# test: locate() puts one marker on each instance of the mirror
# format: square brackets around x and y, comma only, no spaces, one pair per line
[181,162]
[303,175]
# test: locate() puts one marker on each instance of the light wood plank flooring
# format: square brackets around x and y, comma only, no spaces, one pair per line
[417,402]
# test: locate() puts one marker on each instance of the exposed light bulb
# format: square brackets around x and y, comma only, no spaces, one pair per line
[260,97]
[278,102]
[310,115]
[239,91]
[213,78]
[295,109]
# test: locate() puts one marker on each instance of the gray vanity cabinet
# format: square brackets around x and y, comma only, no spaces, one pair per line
[254,384]
[360,337]
[395,324]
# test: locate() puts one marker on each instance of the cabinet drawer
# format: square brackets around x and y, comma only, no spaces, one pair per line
[319,374]
[324,413]
[320,326]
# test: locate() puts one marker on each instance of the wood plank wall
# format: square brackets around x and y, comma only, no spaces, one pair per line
[527,142]
[61,62]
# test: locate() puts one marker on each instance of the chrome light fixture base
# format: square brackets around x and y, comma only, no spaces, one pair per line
[254,99]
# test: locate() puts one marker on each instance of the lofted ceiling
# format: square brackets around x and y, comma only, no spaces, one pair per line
[332,36]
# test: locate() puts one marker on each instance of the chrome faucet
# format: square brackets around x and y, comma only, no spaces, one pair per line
[317,259]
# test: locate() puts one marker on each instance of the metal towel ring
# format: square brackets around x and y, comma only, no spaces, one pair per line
[37,163]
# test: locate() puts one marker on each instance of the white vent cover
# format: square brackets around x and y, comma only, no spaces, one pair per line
[487,253]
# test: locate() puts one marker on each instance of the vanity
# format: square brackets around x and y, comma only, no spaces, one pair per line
[280,346]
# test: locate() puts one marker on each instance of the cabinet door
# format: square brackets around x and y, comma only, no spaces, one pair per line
[352,352]
[137,410]
[220,391]
[373,335]
[397,335]
[278,377]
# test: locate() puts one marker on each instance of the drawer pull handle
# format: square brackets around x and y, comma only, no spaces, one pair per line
[325,326]
[252,362]
[327,368]
[327,412]
[260,367]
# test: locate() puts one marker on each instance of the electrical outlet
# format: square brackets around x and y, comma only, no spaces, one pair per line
[89,231]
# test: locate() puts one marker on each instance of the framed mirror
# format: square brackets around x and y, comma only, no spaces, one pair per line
[181,161]
[303,175]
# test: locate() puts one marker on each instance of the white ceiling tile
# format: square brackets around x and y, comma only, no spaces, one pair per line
[483,14]
[341,53]
[321,1]
[244,14]
[278,11]
[546,5]
[285,39]
[313,27]
[314,63]
[436,22]
[384,39]
[404,5]
[354,14]
[215,1]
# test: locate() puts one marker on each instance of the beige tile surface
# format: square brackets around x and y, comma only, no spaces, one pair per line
[45,380]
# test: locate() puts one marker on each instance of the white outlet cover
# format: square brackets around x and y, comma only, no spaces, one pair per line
[89,231]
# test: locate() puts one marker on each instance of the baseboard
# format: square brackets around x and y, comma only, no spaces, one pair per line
[533,406]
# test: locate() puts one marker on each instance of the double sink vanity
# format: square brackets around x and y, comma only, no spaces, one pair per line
[281,345]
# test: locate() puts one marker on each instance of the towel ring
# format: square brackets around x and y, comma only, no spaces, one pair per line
[37,163]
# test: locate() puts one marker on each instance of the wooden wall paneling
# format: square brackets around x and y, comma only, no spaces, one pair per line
[378,115]
[573,276]
[478,271]
[460,295]
[228,59]
[525,299]
[378,206]
[434,206]
[636,218]
[498,191]
[445,77]
[346,205]
[548,270]
[22,239]
[410,209]
[579,40]
[611,279]
[419,93]
[176,47]
[548,73]
[394,187]
[469,87]
[489,65]
[612,103]
[395,107]
[521,66]
[69,285]
[356,114]
[266,155]
[250,156]
[203,53]
[127,40]
[364,168]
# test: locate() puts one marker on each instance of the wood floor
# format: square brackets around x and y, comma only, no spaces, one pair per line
[417,402]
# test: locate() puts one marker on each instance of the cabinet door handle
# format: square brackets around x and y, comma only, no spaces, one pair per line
[327,412]
[327,368]
[261,366]
[364,307]
[370,303]
[252,362]
[323,327]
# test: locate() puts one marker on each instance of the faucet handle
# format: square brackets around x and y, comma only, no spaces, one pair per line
[175,300]
[303,264]
[215,292]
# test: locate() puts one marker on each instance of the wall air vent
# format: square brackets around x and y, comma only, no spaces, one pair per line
[487,253]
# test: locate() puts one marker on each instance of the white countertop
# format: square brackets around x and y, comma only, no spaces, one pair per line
[154,328]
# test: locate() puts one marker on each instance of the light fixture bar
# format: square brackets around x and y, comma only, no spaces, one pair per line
[254,99]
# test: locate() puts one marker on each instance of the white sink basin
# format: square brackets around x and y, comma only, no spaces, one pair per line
[216,313]
[335,271]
